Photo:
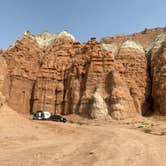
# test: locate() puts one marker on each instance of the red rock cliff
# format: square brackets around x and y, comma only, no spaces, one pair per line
[58,74]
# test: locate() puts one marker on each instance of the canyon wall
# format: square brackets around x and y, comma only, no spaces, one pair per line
[157,56]
[117,77]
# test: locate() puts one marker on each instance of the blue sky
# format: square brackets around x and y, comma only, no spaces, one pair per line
[82,18]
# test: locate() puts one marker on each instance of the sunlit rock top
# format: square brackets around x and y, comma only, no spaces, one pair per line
[158,42]
[110,48]
[46,38]
[132,44]
[64,34]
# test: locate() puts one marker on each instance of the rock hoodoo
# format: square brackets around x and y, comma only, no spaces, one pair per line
[119,76]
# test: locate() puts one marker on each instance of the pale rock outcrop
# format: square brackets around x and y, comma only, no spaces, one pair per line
[133,45]
[65,34]
[110,48]
[23,60]
[157,42]
[145,38]
[99,108]
[45,39]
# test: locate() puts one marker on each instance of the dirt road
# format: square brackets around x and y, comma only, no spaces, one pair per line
[25,142]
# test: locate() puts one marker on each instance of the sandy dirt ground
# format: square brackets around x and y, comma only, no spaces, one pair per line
[81,142]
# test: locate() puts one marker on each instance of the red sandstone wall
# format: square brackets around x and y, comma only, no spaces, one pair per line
[23,60]
[65,76]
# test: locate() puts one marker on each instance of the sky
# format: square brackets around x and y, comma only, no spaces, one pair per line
[82,18]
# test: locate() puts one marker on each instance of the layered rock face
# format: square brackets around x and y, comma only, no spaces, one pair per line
[23,60]
[99,108]
[157,54]
[110,78]
[122,104]
[144,38]
[4,82]
[52,83]
[131,63]
[135,73]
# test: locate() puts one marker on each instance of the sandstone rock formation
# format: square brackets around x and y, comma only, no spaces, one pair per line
[122,104]
[51,86]
[157,54]
[145,37]
[4,82]
[135,73]
[118,76]
[23,60]
[99,108]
